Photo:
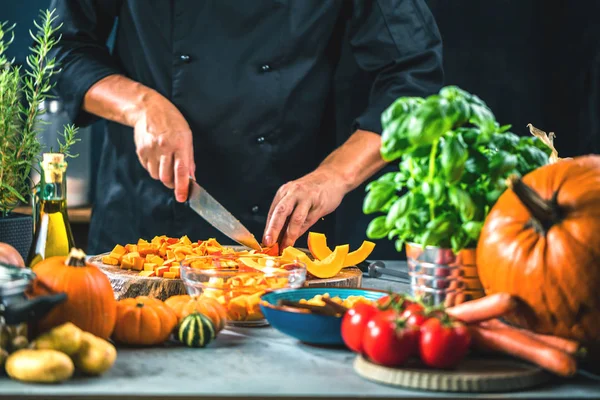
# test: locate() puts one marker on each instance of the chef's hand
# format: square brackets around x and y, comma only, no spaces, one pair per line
[163,138]
[164,145]
[299,204]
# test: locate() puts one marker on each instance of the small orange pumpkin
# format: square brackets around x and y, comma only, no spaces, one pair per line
[541,242]
[90,303]
[143,321]
[183,305]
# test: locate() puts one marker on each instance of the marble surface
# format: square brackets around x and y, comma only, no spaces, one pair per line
[258,363]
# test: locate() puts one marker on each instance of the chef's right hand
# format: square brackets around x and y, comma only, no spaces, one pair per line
[164,145]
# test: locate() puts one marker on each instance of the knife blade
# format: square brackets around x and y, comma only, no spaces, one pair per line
[215,214]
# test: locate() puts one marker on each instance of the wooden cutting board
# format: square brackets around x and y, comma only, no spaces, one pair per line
[128,283]
[473,375]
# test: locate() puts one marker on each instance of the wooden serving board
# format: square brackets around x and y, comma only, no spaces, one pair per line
[128,283]
[472,375]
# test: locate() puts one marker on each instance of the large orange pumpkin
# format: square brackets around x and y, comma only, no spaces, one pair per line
[541,242]
[183,305]
[90,303]
[143,321]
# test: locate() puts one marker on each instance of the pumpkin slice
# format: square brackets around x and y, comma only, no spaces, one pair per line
[359,255]
[317,244]
[329,267]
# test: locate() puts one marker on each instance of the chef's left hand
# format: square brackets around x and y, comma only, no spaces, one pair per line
[299,204]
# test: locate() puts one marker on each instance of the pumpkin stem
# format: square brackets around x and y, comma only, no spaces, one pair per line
[76,258]
[545,213]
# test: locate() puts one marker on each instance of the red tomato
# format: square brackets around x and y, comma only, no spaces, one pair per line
[354,323]
[443,343]
[387,342]
[414,315]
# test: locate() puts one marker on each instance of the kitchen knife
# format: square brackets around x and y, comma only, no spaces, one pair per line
[215,214]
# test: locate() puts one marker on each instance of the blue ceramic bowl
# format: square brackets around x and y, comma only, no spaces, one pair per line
[308,327]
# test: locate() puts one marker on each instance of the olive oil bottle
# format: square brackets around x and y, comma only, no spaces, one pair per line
[52,236]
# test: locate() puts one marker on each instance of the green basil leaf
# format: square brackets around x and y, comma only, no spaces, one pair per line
[429,122]
[472,229]
[399,245]
[507,141]
[453,158]
[534,157]
[377,228]
[477,163]
[427,189]
[501,162]
[378,196]
[438,191]
[393,233]
[504,128]
[400,207]
[463,202]
[470,136]
[482,117]
[400,108]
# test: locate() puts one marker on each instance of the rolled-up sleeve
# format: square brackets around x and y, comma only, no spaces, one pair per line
[82,53]
[398,41]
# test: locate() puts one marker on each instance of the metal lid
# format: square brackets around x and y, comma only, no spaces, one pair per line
[14,280]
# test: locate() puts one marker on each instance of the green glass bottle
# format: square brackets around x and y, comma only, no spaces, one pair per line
[52,236]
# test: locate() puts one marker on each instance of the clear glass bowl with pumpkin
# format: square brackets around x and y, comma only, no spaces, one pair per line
[238,280]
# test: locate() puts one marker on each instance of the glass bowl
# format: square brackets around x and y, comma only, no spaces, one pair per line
[238,281]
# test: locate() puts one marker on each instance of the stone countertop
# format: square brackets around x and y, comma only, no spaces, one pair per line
[257,363]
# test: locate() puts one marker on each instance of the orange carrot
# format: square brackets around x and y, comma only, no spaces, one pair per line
[515,343]
[488,307]
[568,346]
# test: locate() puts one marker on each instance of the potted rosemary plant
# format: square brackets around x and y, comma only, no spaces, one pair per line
[453,161]
[22,91]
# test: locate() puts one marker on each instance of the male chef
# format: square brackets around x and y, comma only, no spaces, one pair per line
[233,93]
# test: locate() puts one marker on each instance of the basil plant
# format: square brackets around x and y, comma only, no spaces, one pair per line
[453,161]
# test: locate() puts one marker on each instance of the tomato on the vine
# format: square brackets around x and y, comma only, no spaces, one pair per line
[414,314]
[443,343]
[354,322]
[388,341]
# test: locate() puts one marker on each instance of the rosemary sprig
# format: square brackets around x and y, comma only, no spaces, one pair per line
[22,91]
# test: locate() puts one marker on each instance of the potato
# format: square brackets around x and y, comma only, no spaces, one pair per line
[65,338]
[42,366]
[95,356]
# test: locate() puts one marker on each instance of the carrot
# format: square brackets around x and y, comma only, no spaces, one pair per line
[488,307]
[568,346]
[515,343]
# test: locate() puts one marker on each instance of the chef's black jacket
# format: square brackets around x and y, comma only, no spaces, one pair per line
[254,81]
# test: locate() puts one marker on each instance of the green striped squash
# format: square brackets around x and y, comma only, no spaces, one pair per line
[196,330]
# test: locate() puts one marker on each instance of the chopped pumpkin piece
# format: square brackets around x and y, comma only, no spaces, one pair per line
[110,260]
[118,249]
[147,273]
[138,263]
[169,275]
[149,267]
[126,263]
